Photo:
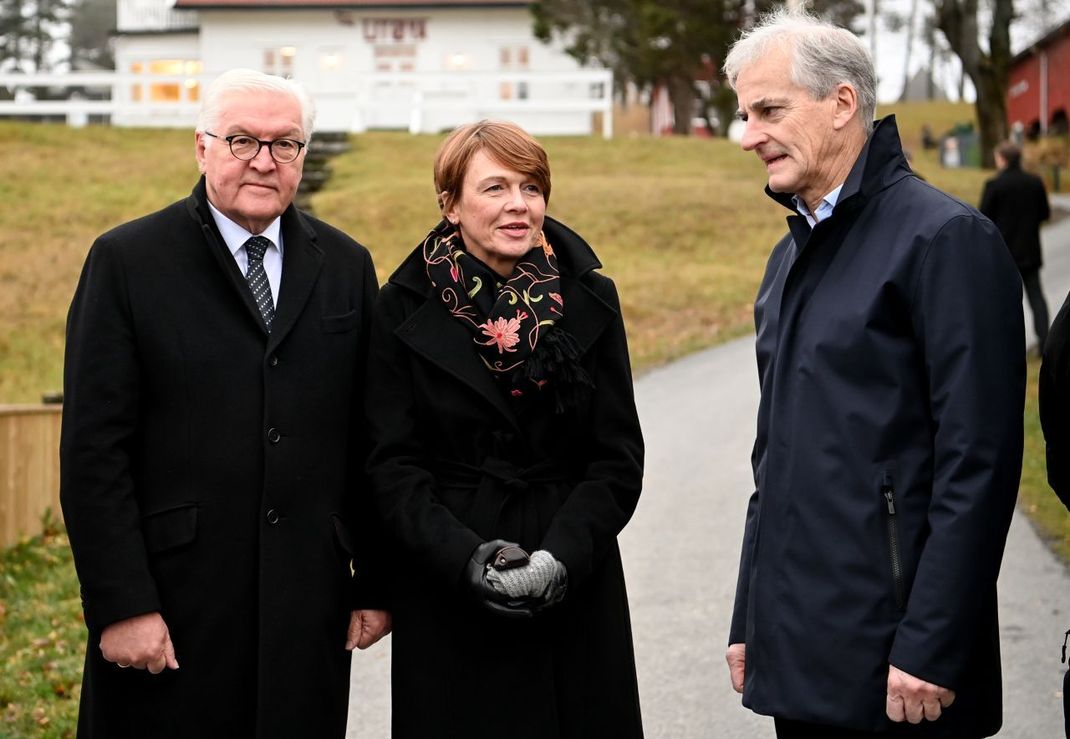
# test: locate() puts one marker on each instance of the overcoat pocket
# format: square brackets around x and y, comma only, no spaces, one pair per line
[341,322]
[170,528]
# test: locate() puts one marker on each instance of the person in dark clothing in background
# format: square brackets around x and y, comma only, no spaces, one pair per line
[1055,420]
[1017,203]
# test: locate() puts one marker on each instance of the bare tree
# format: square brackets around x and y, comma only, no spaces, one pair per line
[958,19]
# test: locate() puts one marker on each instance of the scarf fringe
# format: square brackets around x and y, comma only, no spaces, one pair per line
[557,359]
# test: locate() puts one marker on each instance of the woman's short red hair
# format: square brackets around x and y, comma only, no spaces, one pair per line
[506,143]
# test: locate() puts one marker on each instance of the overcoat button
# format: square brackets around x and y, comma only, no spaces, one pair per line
[272,516]
[274,435]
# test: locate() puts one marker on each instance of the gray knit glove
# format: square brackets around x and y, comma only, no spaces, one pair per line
[543,579]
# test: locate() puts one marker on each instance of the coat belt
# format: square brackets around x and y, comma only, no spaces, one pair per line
[501,506]
[495,469]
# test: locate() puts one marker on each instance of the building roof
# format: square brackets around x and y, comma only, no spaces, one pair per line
[352,4]
[1063,29]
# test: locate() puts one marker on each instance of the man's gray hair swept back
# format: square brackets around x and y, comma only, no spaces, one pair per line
[252,81]
[823,56]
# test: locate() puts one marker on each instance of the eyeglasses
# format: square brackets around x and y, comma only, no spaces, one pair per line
[246,148]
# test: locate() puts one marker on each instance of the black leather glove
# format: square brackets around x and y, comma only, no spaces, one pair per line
[475,577]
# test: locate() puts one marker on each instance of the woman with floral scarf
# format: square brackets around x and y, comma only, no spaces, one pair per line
[506,457]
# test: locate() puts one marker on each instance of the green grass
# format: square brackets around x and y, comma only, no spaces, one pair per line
[61,188]
[680,224]
[42,638]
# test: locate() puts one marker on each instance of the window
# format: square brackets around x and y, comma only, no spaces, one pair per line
[390,58]
[171,90]
[511,58]
[280,61]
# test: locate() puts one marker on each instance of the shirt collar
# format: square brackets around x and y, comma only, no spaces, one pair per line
[824,208]
[235,236]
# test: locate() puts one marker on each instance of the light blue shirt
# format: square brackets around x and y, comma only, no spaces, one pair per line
[824,208]
[235,237]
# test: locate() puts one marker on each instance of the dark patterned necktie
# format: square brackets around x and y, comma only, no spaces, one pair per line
[257,278]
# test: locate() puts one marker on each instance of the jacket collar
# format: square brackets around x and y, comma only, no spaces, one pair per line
[300,266]
[879,165]
[435,335]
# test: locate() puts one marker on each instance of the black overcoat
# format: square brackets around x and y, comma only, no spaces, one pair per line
[455,464]
[208,473]
[1017,203]
[889,446]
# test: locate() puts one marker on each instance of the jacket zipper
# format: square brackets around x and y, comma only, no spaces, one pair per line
[888,492]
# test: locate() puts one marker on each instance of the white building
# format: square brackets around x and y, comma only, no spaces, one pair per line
[408,64]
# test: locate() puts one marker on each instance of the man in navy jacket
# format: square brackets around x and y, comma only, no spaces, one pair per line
[889,439]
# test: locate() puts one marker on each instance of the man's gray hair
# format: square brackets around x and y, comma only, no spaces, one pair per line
[823,56]
[252,81]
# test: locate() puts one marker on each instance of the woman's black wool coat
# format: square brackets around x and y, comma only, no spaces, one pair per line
[455,463]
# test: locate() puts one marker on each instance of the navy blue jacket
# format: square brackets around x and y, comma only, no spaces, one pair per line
[889,445]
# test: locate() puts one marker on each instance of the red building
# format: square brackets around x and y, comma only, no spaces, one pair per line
[1038,90]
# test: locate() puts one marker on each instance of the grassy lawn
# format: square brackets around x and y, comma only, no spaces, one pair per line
[42,638]
[680,224]
[61,188]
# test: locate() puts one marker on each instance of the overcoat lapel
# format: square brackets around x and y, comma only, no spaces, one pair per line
[197,205]
[301,263]
[586,314]
[441,339]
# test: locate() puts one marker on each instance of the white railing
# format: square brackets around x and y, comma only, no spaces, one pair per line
[417,101]
[151,15]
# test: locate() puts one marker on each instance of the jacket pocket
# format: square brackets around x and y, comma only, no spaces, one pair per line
[169,528]
[340,323]
[887,491]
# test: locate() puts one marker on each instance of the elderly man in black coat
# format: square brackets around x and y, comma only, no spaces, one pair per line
[1017,203]
[211,449]
[889,436]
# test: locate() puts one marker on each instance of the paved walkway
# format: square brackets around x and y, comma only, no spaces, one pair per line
[681,553]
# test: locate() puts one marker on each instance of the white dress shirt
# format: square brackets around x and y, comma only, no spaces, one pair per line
[235,237]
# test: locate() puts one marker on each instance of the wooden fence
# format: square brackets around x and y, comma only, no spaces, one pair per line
[29,469]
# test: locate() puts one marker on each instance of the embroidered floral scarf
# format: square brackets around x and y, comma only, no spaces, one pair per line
[511,320]
[506,320]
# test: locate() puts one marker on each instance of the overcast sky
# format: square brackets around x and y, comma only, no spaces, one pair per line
[891,46]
